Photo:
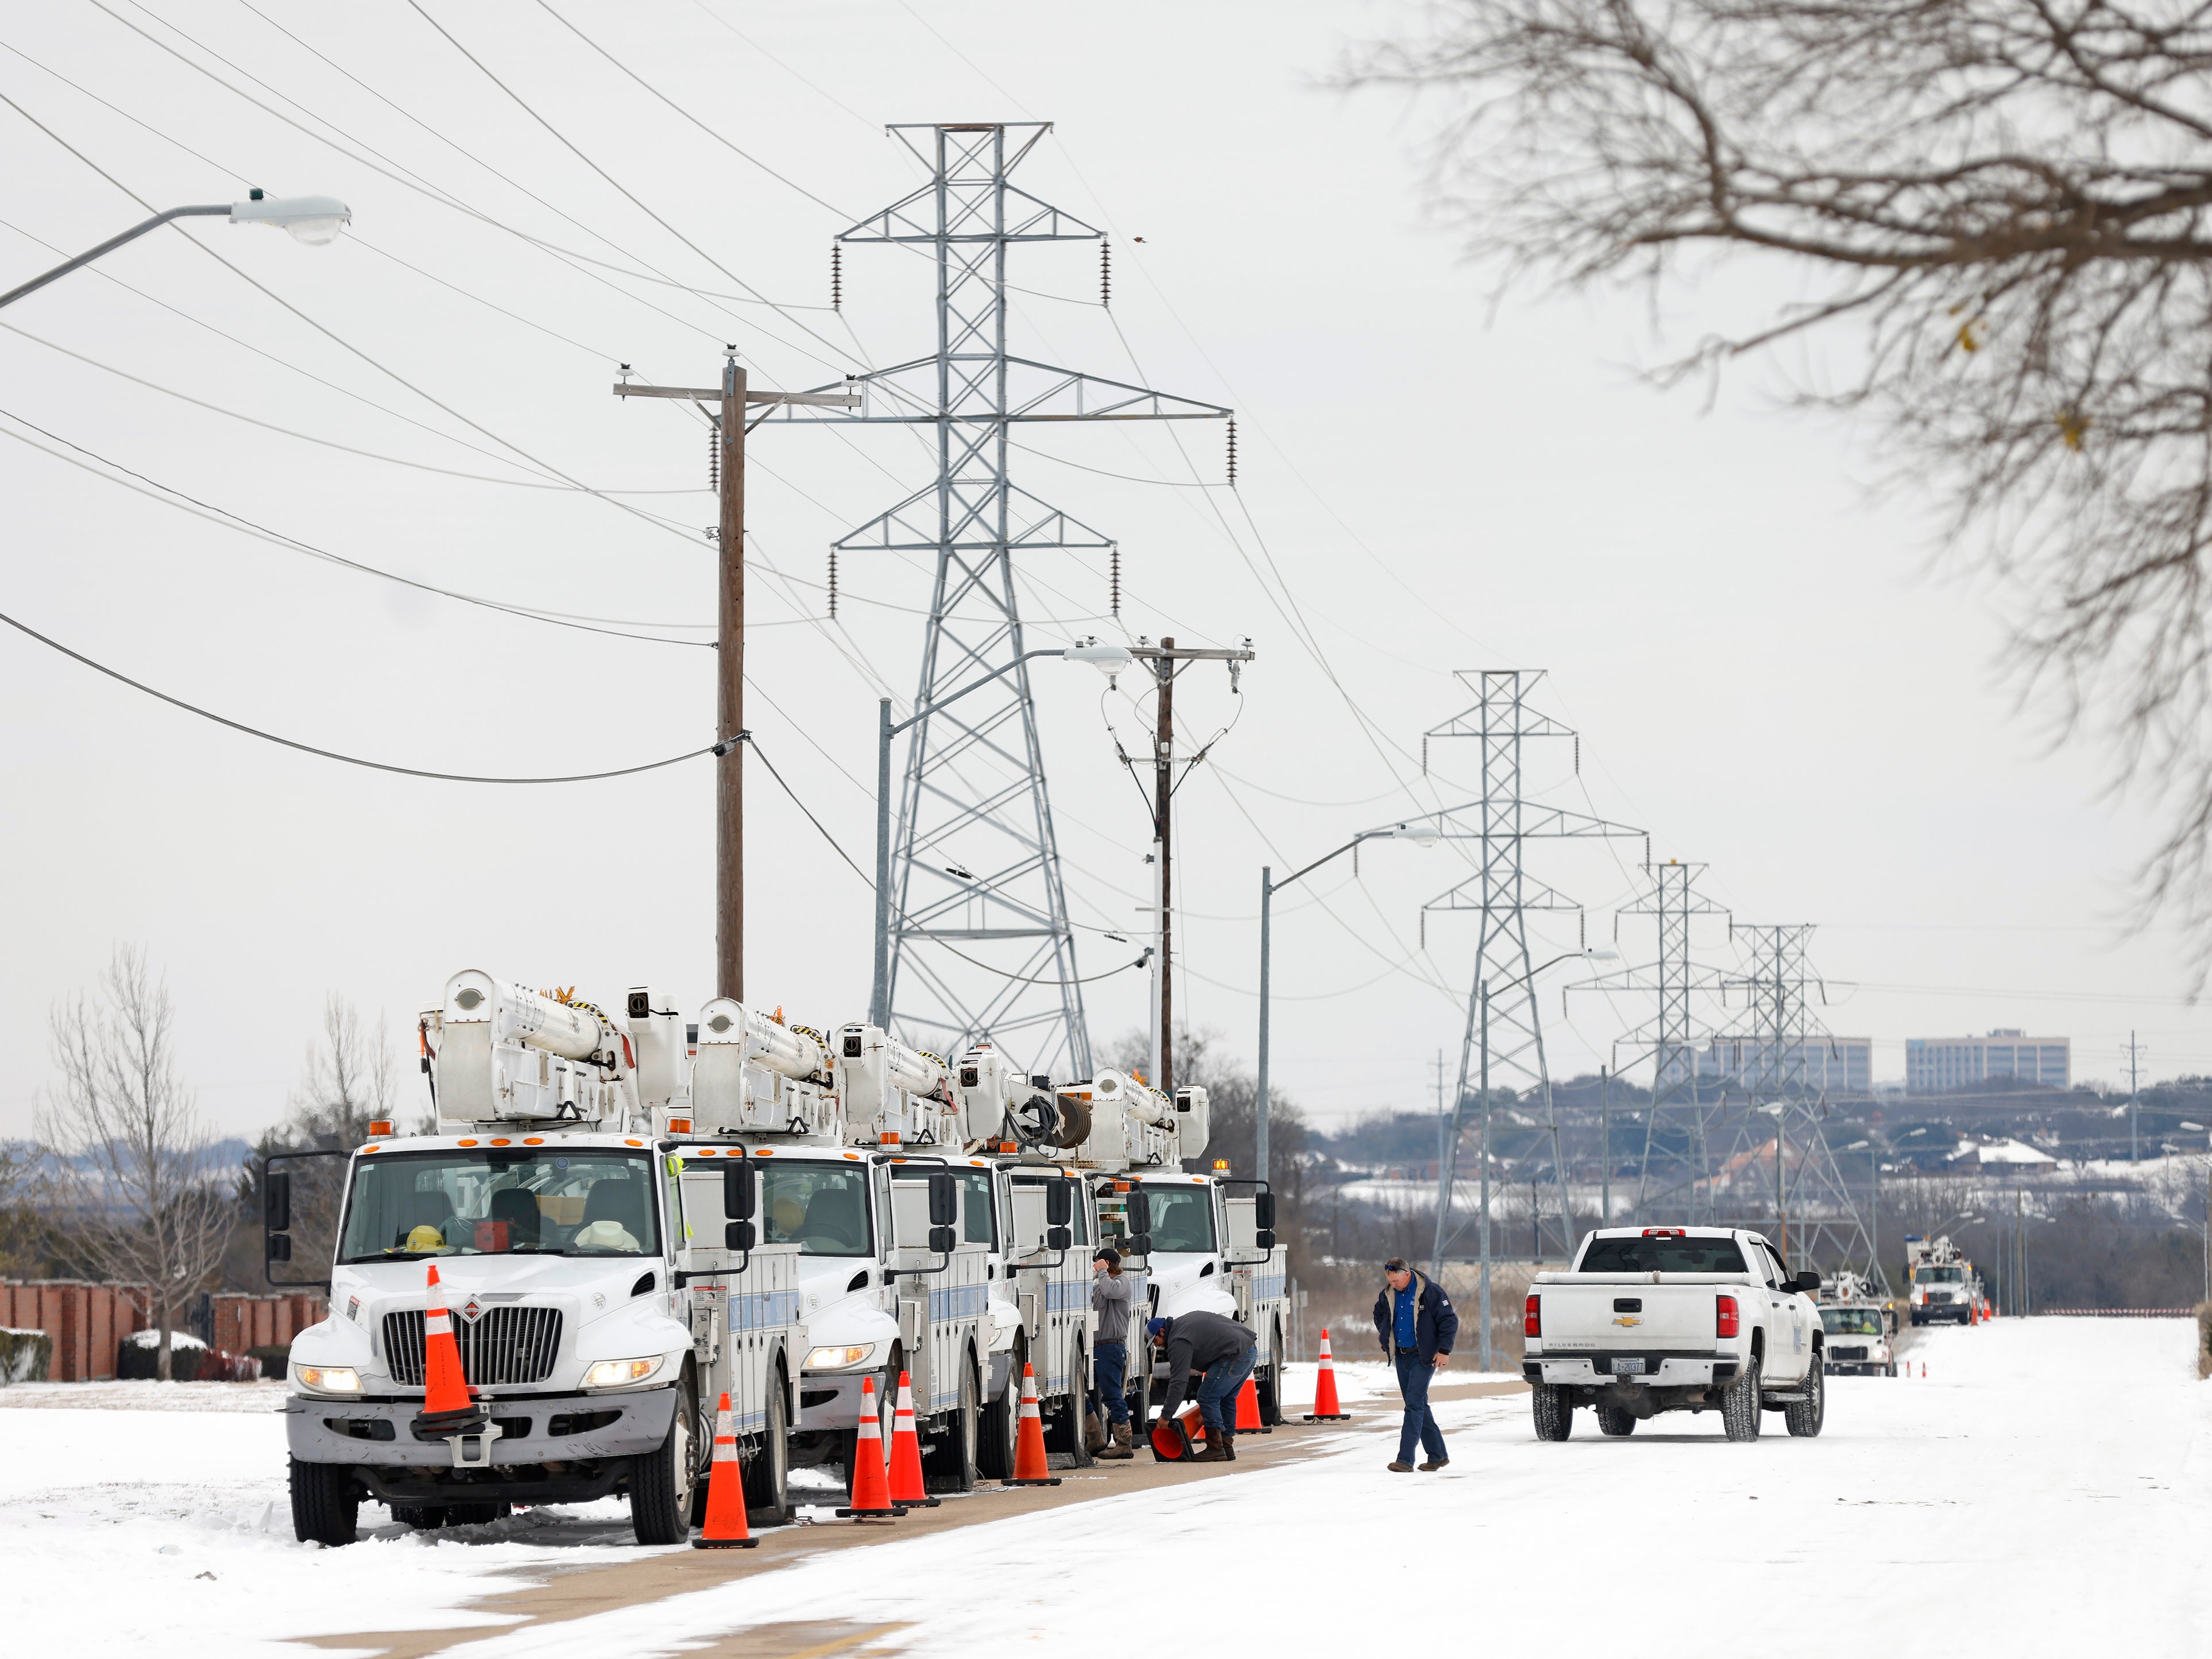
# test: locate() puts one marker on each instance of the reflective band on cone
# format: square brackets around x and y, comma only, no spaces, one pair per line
[906,1453]
[1031,1468]
[726,1527]
[1327,1409]
[870,1497]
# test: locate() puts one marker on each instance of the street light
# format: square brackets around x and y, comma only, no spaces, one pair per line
[1448,1169]
[1422,832]
[314,220]
[1110,659]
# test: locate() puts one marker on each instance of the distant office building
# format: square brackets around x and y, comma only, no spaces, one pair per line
[1822,1066]
[1935,1065]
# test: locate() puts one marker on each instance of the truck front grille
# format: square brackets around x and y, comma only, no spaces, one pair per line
[506,1346]
[1847,1354]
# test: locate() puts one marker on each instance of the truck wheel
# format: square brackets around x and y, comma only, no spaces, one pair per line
[764,1474]
[1805,1417]
[1553,1412]
[1618,1421]
[1065,1431]
[1271,1385]
[1740,1404]
[1890,1370]
[949,1465]
[1002,1421]
[325,1504]
[660,1481]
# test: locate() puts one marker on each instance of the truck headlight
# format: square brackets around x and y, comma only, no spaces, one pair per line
[619,1373]
[328,1379]
[834,1359]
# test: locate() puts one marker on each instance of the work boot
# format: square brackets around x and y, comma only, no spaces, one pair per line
[1436,1463]
[1229,1446]
[1117,1447]
[1400,1468]
[1216,1452]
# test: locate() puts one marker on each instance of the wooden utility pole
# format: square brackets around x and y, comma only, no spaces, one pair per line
[729,401]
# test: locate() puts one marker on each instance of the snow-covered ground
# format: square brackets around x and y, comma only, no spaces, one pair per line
[2053,1473]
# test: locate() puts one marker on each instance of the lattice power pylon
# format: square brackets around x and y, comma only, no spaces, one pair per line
[1502,894]
[1674,1126]
[980,944]
[1778,1173]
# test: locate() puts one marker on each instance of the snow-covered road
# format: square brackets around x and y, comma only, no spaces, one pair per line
[2047,1490]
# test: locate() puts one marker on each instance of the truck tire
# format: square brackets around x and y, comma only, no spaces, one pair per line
[325,1504]
[1890,1370]
[660,1482]
[1553,1411]
[764,1474]
[1618,1421]
[1805,1416]
[949,1465]
[1001,1422]
[1740,1403]
[1271,1384]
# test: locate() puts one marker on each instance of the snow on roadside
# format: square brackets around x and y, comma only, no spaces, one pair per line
[2054,1476]
[148,1396]
[174,1522]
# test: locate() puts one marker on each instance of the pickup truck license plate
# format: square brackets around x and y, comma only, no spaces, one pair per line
[1628,1367]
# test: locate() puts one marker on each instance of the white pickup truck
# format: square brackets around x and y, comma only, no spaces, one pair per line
[1667,1318]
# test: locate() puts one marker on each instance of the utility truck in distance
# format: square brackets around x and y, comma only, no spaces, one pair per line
[1665,1319]
[1944,1282]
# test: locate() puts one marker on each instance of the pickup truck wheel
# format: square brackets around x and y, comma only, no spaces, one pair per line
[1616,1420]
[766,1473]
[1805,1417]
[1740,1404]
[660,1481]
[1553,1411]
[325,1504]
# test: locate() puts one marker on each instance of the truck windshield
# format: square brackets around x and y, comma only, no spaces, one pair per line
[1851,1321]
[542,1202]
[1662,1255]
[1182,1217]
[821,1207]
[1939,1275]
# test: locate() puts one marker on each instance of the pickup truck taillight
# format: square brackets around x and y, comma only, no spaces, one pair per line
[1727,1321]
[1532,1316]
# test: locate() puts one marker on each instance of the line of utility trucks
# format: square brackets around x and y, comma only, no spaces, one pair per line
[631,1219]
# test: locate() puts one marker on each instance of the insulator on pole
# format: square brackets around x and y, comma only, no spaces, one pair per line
[1232,451]
[1105,272]
[837,276]
[713,455]
[833,584]
[1113,579]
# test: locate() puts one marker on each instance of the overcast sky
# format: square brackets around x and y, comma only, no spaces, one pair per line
[1771,671]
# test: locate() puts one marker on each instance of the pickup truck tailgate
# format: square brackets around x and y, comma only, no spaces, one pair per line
[1609,1311]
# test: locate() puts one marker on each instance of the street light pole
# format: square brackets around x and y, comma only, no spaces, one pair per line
[313,220]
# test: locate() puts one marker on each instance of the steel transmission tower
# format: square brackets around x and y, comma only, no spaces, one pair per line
[1504,1041]
[1789,1178]
[1675,1127]
[980,942]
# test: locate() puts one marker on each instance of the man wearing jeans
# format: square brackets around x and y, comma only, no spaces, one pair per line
[1222,1351]
[1110,1299]
[1414,1320]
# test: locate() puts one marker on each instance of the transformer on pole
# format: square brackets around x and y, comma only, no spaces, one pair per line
[978,942]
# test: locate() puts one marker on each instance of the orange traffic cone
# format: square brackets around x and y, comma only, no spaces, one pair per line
[870,1497]
[1247,1411]
[1327,1409]
[1923,1371]
[1030,1468]
[726,1491]
[1176,1438]
[446,1403]
[906,1453]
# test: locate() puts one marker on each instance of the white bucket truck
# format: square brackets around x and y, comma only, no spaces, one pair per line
[1202,1241]
[1040,1273]
[605,1284]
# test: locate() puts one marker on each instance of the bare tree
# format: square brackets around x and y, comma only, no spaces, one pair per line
[132,1159]
[2004,201]
[351,1080]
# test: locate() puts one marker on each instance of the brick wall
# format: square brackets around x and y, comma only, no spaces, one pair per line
[88,1321]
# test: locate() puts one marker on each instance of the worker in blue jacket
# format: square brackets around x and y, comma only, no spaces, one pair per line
[1414,1321]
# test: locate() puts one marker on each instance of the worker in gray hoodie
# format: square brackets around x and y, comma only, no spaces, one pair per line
[1110,1299]
[1223,1351]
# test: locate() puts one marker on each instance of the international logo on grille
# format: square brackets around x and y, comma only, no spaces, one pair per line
[472,1310]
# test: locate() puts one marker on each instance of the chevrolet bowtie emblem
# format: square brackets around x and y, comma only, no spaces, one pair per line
[1628,1319]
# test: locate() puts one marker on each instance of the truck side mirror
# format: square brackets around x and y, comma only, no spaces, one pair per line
[738,1236]
[1808,1281]
[741,1186]
[1059,1238]
[941,1237]
[1263,1211]
[1059,1206]
[1138,1216]
[277,1204]
[944,1207]
[1264,1239]
[280,1246]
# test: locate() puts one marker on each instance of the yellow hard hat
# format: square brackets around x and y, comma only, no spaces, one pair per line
[425,1238]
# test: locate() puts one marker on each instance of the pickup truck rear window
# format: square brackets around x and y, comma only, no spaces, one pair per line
[1662,1255]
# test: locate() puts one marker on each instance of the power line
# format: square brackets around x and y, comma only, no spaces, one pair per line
[332,754]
